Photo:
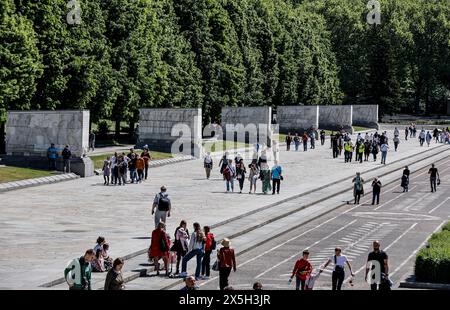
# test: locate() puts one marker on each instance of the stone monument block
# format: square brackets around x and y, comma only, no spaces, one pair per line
[335,117]
[163,129]
[366,116]
[297,118]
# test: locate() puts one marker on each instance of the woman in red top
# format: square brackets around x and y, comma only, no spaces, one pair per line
[302,271]
[159,248]
[227,261]
[210,245]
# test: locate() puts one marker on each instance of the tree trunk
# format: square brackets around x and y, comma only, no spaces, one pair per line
[2,138]
[131,131]
[117,129]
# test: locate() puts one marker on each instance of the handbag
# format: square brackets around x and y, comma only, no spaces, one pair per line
[439,181]
[215,266]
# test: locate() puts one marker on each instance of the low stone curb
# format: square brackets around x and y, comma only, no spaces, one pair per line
[424,285]
[4,187]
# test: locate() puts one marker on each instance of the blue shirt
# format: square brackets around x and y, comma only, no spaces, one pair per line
[276,172]
[52,152]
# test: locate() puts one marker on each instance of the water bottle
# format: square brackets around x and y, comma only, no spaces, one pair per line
[290,281]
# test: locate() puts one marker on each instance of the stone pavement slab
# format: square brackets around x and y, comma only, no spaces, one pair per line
[47,226]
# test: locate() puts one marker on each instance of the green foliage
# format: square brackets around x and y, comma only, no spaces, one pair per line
[433,261]
[129,54]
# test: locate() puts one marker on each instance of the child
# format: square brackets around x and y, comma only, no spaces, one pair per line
[108,261]
[106,170]
[98,264]
[140,165]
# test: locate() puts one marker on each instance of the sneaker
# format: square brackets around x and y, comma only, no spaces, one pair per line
[205,278]
[183,275]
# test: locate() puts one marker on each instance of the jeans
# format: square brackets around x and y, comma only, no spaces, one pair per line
[299,283]
[230,183]
[66,165]
[146,171]
[206,263]
[133,175]
[140,173]
[52,163]
[305,146]
[241,183]
[187,258]
[396,146]
[337,279]
[433,184]
[208,172]
[383,157]
[377,196]
[224,273]
[276,183]
[297,144]
[322,140]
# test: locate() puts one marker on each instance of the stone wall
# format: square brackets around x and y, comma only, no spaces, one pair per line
[30,133]
[297,118]
[334,117]
[365,116]
[251,124]
[162,129]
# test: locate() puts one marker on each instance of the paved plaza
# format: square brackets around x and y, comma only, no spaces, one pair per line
[49,225]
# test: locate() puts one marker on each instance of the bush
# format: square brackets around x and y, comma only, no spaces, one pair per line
[433,261]
[103,129]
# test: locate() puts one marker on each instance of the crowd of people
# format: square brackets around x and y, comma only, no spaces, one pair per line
[201,243]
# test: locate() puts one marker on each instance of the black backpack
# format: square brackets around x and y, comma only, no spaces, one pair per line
[163,203]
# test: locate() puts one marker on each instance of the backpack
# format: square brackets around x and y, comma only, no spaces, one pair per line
[163,244]
[163,203]
[227,173]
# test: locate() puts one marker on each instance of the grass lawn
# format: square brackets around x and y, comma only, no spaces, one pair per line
[98,159]
[10,174]
[221,145]
[358,128]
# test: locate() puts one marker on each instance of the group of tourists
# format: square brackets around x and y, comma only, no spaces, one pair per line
[200,244]
[116,168]
[303,139]
[95,260]
[260,168]
[305,276]
[358,184]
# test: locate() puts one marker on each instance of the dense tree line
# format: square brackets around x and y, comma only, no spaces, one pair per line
[128,54]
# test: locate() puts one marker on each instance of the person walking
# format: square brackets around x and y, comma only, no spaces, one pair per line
[224,163]
[347,151]
[106,170]
[52,155]
[159,247]
[92,141]
[302,271]
[253,177]
[227,262]
[208,164]
[196,248]
[66,155]
[338,275]
[264,173]
[229,174]
[133,168]
[378,258]
[384,150]
[147,157]
[123,167]
[374,151]
[312,136]
[210,245]
[296,141]
[114,279]
[288,141]
[367,149]
[376,190]
[276,177]
[434,177]
[436,134]
[396,142]
[358,187]
[78,272]
[396,132]
[405,179]
[240,174]
[335,146]
[181,244]
[406,133]
[428,138]
[140,167]
[163,205]
[114,169]
[361,150]
[422,137]
[322,137]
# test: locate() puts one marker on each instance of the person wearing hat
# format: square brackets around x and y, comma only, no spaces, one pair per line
[227,261]
[163,205]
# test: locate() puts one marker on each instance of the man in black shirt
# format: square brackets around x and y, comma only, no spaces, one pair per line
[375,258]
[376,189]
[66,155]
[434,175]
